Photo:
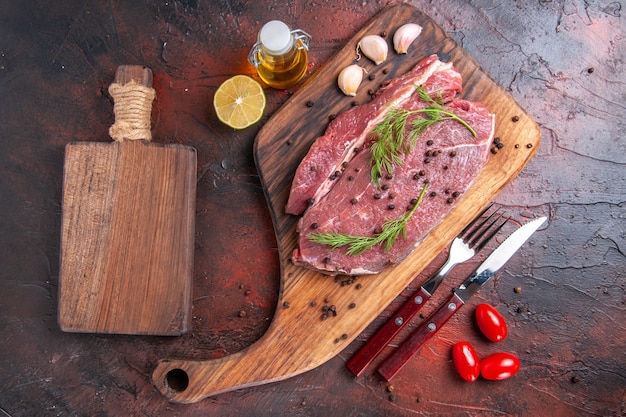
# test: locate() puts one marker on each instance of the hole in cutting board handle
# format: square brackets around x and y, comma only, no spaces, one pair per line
[177,380]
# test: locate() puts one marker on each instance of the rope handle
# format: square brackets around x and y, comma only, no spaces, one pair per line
[132,94]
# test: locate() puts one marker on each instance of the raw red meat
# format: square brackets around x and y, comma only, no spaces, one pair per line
[333,183]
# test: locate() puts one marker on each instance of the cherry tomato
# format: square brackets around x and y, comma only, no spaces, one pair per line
[466,361]
[498,366]
[491,322]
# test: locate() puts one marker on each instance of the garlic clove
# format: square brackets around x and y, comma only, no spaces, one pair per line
[350,78]
[374,47]
[404,36]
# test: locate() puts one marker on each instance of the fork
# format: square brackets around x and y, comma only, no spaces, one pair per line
[470,241]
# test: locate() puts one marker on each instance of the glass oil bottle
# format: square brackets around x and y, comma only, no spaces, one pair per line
[280,54]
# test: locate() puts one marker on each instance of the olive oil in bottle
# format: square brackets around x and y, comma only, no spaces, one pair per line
[280,54]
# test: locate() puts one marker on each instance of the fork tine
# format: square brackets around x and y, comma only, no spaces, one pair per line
[473,222]
[490,236]
[479,236]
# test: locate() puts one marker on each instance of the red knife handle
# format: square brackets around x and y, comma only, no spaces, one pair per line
[392,365]
[357,363]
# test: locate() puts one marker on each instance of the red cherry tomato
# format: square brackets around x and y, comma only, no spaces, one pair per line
[491,322]
[466,361]
[498,366]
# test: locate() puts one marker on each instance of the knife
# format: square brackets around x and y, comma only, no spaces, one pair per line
[392,365]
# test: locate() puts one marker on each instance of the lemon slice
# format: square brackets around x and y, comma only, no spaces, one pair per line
[239,102]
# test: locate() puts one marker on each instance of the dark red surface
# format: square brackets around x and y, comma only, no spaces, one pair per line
[562,61]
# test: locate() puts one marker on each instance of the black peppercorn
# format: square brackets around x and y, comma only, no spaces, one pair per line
[429,142]
[314,225]
[515,118]
[433,193]
[391,206]
[310,103]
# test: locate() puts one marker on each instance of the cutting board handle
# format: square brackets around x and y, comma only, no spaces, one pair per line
[132,94]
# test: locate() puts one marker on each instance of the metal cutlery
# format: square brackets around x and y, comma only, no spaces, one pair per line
[392,365]
[469,242]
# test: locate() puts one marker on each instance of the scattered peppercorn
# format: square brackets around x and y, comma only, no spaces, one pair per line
[359,286]
[286,304]
[390,388]
[371,92]
[391,206]
[352,305]
[450,200]
[372,76]
[515,119]
[575,379]
[494,150]
[414,201]
[499,145]
[456,194]
[429,142]
[392,397]
[516,145]
[354,201]
[310,103]
[332,117]
[453,153]
[344,336]
[242,313]
[324,316]
[385,186]
[248,292]
[445,167]
[377,196]
[433,193]
[517,289]
[496,140]
[313,303]
[314,225]
[386,71]
[326,260]
[427,161]
[590,70]
[529,145]
[392,196]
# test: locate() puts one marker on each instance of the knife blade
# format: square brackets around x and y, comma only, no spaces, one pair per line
[396,361]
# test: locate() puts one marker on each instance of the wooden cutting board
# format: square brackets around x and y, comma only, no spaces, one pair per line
[127,231]
[297,339]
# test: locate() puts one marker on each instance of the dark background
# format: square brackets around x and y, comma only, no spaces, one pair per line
[563,61]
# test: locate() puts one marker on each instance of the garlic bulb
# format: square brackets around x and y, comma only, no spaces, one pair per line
[404,36]
[374,47]
[350,78]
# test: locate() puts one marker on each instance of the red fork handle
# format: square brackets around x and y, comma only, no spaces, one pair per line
[392,365]
[357,363]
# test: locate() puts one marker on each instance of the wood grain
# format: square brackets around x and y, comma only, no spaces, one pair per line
[127,234]
[298,340]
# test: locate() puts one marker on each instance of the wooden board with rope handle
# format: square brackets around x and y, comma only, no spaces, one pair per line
[127,228]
